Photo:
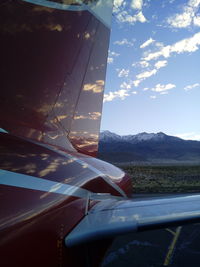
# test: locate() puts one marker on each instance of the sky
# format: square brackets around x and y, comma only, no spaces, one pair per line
[153,72]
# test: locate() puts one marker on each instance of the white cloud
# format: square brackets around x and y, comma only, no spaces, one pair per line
[123,73]
[142,76]
[140,17]
[160,64]
[197,21]
[144,64]
[146,74]
[136,82]
[110,60]
[124,42]
[136,4]
[182,20]
[183,46]
[187,17]
[164,93]
[122,94]
[124,16]
[190,87]
[145,89]
[114,54]
[194,3]
[134,92]
[118,3]
[153,96]
[189,136]
[129,11]
[125,85]
[159,44]
[162,88]
[111,56]
[147,43]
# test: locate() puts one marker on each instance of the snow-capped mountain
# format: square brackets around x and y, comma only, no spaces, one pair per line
[106,136]
[147,147]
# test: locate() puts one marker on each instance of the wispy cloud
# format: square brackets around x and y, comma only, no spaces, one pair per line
[146,74]
[122,94]
[182,20]
[124,41]
[123,73]
[190,87]
[114,54]
[110,60]
[160,88]
[160,64]
[186,45]
[126,85]
[144,64]
[125,15]
[163,87]
[187,17]
[137,4]
[143,76]
[118,3]
[147,43]
[111,56]
[136,82]
[132,19]
[196,20]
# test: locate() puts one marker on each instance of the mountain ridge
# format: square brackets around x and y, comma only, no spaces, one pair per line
[143,136]
[147,147]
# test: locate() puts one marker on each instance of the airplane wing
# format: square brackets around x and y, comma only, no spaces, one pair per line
[113,217]
[53,58]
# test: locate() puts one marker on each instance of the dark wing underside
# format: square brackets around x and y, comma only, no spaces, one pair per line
[110,218]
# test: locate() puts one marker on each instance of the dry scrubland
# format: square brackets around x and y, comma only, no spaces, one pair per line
[164,179]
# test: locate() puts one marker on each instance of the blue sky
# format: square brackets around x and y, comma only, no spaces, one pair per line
[153,72]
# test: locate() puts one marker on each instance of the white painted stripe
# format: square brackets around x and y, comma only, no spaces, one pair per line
[31,182]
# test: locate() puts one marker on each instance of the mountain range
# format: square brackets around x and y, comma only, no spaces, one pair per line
[148,148]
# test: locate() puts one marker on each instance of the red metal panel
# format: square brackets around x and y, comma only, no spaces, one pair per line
[52,80]
[33,223]
[52,74]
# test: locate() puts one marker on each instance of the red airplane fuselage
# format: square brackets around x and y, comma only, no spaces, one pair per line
[53,71]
